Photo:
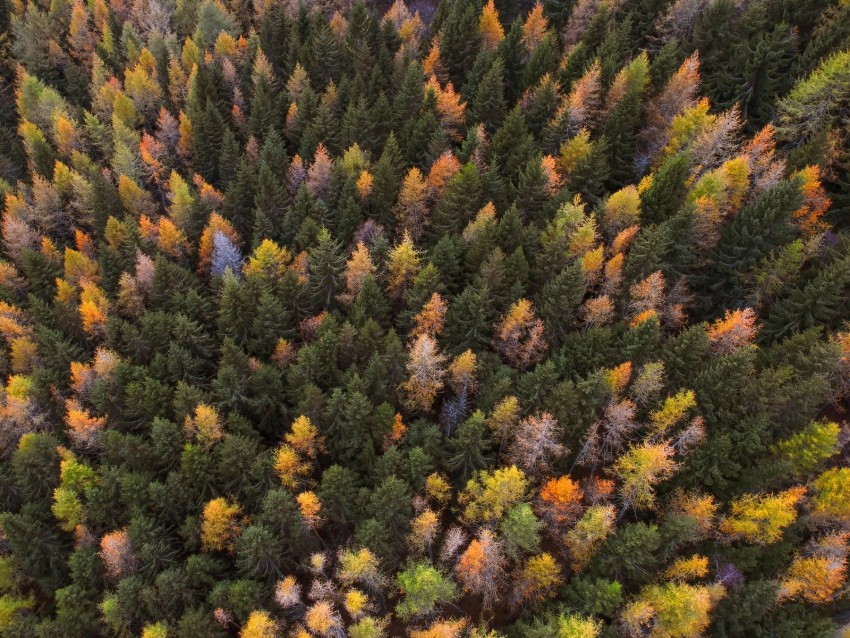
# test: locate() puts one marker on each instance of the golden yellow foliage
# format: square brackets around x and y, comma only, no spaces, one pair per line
[220,525]
[491,29]
[761,519]
[259,625]
[490,494]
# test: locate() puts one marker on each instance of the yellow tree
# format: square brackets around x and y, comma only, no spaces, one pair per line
[358,267]
[818,577]
[462,371]
[671,610]
[220,524]
[504,417]
[490,494]
[539,579]
[761,519]
[672,411]
[322,619]
[311,508]
[622,210]
[259,625]
[423,530]
[688,569]
[442,629]
[304,437]
[403,266]
[290,466]
[640,470]
[831,495]
[204,425]
[359,566]
[412,206]
[491,29]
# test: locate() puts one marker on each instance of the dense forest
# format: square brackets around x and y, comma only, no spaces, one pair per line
[436,320]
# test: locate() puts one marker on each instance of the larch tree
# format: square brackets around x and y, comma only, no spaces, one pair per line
[536,443]
[519,336]
[221,524]
[426,368]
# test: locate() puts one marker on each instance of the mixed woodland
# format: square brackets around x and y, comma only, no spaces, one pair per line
[436,320]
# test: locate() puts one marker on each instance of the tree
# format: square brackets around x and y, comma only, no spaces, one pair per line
[491,29]
[411,209]
[761,519]
[460,38]
[512,146]
[535,27]
[520,531]
[673,609]
[829,499]
[816,302]
[426,370]
[519,337]
[325,264]
[424,590]
[431,319]
[736,329]
[536,443]
[358,267]
[404,265]
[116,552]
[83,427]
[259,625]
[539,579]
[817,578]
[559,503]
[807,450]
[488,496]
[640,469]
[488,103]
[204,425]
[480,567]
[808,108]
[221,524]
[589,533]
[304,437]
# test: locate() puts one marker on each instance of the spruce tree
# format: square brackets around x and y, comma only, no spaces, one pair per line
[488,103]
[326,262]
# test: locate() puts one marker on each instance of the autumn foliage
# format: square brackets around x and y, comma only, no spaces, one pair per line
[459,319]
